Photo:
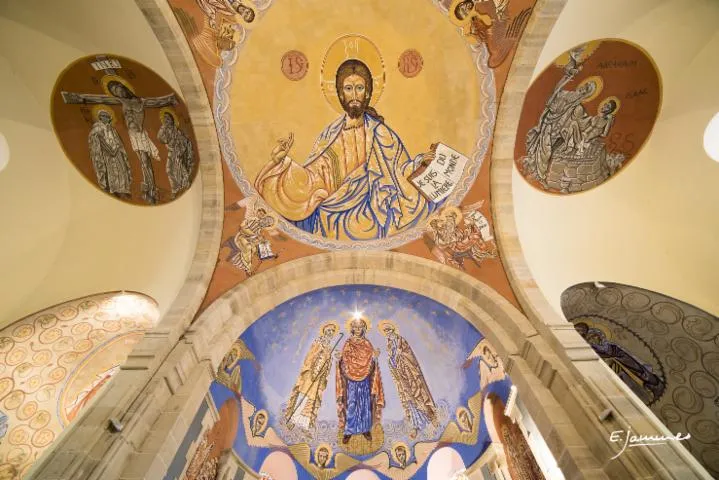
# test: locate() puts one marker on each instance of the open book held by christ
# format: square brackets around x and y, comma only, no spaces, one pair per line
[440,177]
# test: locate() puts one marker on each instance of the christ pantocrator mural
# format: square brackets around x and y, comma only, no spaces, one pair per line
[376,175]
[355,184]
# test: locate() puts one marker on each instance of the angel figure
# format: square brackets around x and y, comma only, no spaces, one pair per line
[400,464]
[215,34]
[574,65]
[466,429]
[228,8]
[490,366]
[258,435]
[496,23]
[229,373]
[326,465]
[251,245]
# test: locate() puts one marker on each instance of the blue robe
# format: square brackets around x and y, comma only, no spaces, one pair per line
[359,407]
[372,201]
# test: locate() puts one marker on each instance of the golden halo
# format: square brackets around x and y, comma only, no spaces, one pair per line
[327,324]
[406,449]
[329,452]
[383,323]
[109,78]
[351,47]
[348,323]
[172,112]
[607,100]
[267,420]
[597,81]
[465,410]
[456,210]
[103,108]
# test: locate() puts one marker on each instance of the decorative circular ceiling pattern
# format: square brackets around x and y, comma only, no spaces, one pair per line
[54,362]
[663,349]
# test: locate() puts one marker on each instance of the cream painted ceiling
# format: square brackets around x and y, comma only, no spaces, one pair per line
[61,237]
[655,224]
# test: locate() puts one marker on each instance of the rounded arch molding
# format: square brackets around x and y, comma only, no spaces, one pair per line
[530,46]
[156,422]
[187,303]
[528,359]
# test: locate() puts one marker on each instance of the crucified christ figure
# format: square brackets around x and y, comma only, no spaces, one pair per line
[133,111]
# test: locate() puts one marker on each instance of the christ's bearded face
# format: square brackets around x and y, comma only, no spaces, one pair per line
[353,95]
[119,90]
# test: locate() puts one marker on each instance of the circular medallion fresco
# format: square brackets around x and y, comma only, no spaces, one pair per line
[359,376]
[125,129]
[344,149]
[587,116]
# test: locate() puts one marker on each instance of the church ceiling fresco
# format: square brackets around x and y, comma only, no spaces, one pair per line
[665,350]
[124,129]
[54,362]
[354,126]
[587,115]
[358,377]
